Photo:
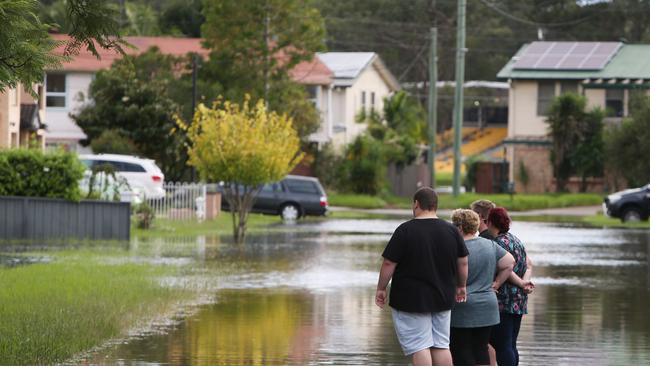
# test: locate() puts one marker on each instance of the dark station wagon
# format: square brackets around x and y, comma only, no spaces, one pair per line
[293,197]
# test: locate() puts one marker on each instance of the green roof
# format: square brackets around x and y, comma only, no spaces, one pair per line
[632,61]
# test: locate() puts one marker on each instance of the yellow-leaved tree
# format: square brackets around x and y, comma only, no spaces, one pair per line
[244,147]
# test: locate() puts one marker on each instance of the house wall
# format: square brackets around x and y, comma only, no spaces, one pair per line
[522,112]
[368,81]
[10,118]
[536,162]
[62,129]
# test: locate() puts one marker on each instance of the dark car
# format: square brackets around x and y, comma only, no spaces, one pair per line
[629,205]
[293,197]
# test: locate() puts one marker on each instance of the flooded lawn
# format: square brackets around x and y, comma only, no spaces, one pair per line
[305,297]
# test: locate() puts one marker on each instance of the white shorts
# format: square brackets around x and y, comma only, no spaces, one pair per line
[418,331]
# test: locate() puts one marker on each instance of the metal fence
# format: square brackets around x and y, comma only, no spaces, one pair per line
[182,201]
[32,218]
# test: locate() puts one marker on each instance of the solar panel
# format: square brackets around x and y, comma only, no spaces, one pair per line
[567,55]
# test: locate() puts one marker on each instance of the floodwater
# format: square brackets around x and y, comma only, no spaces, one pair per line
[306,297]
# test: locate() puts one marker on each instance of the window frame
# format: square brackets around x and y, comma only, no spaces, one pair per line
[63,94]
[616,113]
[545,101]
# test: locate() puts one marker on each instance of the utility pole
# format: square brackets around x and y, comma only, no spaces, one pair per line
[433,105]
[458,96]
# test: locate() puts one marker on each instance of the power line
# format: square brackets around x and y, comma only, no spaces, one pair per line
[530,22]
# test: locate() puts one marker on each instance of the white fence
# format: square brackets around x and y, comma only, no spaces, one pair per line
[182,201]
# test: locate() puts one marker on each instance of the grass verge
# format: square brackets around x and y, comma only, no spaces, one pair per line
[221,225]
[516,202]
[52,311]
[356,200]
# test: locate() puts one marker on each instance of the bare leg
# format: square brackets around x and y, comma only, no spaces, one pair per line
[441,357]
[422,358]
[493,356]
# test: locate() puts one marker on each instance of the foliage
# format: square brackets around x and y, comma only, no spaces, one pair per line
[142,20]
[576,135]
[627,147]
[182,17]
[245,147]
[327,166]
[522,175]
[103,184]
[132,99]
[144,216]
[364,167]
[27,47]
[113,142]
[32,173]
[255,44]
[469,181]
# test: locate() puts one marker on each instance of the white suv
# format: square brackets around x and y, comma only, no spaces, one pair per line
[141,174]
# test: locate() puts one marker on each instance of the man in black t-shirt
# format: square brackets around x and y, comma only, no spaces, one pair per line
[427,260]
[482,208]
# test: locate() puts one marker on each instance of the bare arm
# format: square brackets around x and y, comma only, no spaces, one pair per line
[461,279]
[385,274]
[504,270]
[529,269]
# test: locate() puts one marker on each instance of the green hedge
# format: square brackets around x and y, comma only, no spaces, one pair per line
[32,173]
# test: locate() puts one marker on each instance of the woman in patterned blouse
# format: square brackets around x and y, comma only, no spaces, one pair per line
[512,295]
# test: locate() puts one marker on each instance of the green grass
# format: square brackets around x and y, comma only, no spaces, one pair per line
[355,200]
[516,202]
[445,178]
[221,225]
[52,311]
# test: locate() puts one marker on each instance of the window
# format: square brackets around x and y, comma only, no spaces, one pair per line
[363,100]
[55,87]
[301,186]
[569,86]
[131,168]
[614,102]
[312,92]
[271,188]
[372,100]
[545,95]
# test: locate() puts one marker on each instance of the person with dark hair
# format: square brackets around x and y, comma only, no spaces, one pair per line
[471,321]
[482,208]
[512,295]
[427,260]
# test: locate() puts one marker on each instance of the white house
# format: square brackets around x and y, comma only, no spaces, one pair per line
[67,87]
[361,82]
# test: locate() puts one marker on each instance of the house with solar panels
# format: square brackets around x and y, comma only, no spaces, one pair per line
[606,73]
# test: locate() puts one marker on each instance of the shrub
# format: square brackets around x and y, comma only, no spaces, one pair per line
[32,173]
[144,216]
[365,165]
[113,142]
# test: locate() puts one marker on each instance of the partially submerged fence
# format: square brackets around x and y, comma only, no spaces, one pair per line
[32,218]
[182,201]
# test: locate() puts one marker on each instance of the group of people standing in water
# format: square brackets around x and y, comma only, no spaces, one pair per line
[458,290]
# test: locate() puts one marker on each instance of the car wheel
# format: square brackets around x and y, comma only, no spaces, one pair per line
[632,215]
[290,212]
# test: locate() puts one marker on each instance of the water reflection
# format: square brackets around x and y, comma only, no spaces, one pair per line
[306,297]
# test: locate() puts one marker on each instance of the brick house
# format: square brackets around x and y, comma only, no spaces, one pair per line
[606,73]
[22,118]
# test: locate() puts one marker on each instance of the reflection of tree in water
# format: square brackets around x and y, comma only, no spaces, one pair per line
[253,328]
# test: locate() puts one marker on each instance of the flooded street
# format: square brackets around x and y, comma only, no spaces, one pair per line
[305,296]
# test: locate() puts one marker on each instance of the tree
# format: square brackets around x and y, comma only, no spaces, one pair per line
[245,147]
[577,143]
[26,47]
[132,98]
[254,45]
[626,147]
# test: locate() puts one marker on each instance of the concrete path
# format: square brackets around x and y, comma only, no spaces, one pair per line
[567,211]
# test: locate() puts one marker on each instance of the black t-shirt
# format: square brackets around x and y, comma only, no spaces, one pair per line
[487,235]
[426,252]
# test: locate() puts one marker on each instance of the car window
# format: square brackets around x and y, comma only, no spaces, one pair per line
[271,188]
[301,186]
[132,168]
